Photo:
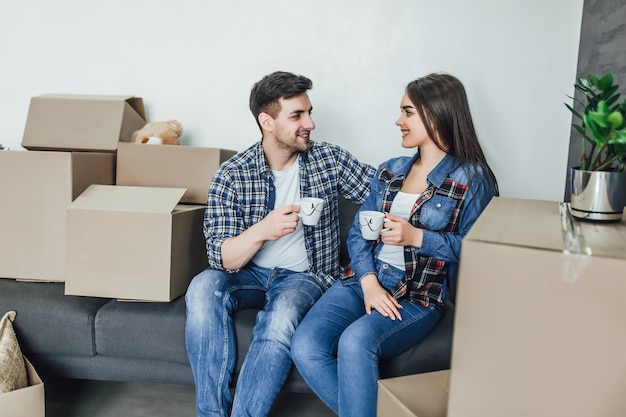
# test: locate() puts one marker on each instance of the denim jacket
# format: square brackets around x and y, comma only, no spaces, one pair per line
[445,211]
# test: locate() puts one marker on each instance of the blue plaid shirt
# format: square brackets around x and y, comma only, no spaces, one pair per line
[242,194]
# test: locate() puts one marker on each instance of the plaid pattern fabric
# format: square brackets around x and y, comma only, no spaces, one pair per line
[425,276]
[241,195]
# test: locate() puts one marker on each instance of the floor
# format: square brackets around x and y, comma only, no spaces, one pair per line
[85,398]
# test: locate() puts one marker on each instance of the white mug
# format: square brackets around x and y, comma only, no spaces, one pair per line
[371,223]
[310,210]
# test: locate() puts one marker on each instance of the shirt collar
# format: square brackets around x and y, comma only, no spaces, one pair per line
[439,174]
[261,161]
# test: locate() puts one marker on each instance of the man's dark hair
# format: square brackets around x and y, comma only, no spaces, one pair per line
[266,93]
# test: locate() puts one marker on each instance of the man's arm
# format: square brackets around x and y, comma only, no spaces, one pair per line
[355,176]
[237,251]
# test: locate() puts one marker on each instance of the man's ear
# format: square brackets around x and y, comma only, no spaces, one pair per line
[266,122]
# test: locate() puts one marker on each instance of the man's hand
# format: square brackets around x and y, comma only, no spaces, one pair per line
[376,297]
[237,251]
[278,223]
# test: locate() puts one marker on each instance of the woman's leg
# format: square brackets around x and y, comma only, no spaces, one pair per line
[372,337]
[367,340]
[314,346]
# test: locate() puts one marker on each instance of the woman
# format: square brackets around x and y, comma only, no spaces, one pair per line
[394,292]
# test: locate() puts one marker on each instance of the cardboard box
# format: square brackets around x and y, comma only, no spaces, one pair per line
[25,402]
[539,331]
[170,166]
[134,243]
[36,187]
[421,395]
[82,122]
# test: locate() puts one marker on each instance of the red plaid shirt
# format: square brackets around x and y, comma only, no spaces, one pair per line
[425,275]
[445,212]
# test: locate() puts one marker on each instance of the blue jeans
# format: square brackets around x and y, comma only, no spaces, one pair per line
[337,346]
[284,297]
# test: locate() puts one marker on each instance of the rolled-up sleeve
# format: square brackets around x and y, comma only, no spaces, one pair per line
[221,219]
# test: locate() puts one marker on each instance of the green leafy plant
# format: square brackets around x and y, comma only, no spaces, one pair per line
[602,124]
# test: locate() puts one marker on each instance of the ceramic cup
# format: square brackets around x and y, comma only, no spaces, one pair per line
[310,210]
[371,223]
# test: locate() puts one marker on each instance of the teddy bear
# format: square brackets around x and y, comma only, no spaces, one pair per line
[162,133]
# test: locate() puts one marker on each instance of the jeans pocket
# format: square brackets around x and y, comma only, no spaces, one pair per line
[389,277]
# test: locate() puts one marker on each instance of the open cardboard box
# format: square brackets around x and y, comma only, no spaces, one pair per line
[539,331]
[133,243]
[82,122]
[170,166]
[420,395]
[36,187]
[25,402]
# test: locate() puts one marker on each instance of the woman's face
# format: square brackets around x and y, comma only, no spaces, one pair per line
[414,133]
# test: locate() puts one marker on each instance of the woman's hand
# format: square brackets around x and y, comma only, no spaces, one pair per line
[376,297]
[399,232]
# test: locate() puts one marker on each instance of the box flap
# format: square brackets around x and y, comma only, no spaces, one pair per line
[133,119]
[81,122]
[129,199]
[94,97]
[25,402]
[520,222]
[420,395]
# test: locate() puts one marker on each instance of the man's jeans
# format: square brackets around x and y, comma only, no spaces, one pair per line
[337,346]
[284,297]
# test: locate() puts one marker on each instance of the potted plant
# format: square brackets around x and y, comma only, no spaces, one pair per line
[598,184]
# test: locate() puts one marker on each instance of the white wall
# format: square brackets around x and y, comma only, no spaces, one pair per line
[195,60]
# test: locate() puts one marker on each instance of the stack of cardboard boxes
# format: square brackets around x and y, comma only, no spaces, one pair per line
[540,326]
[106,217]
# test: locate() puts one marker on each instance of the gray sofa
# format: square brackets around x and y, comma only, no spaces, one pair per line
[104,339]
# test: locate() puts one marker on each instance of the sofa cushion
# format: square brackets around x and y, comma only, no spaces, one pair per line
[142,330]
[156,331]
[49,322]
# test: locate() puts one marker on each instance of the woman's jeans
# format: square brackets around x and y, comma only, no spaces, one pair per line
[284,297]
[337,346]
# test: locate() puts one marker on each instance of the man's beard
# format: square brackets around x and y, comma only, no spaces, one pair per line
[294,144]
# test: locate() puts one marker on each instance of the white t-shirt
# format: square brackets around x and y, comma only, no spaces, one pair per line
[401,206]
[289,251]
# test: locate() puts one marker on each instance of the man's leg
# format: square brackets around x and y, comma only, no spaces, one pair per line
[209,335]
[289,296]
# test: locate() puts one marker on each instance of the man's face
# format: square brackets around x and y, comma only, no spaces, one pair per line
[293,125]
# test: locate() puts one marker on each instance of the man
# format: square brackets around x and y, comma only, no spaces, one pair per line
[260,255]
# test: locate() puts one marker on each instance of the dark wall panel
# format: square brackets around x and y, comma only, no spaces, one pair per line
[602,49]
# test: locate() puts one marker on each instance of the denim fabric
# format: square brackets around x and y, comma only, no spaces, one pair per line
[241,192]
[445,212]
[284,297]
[337,346]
